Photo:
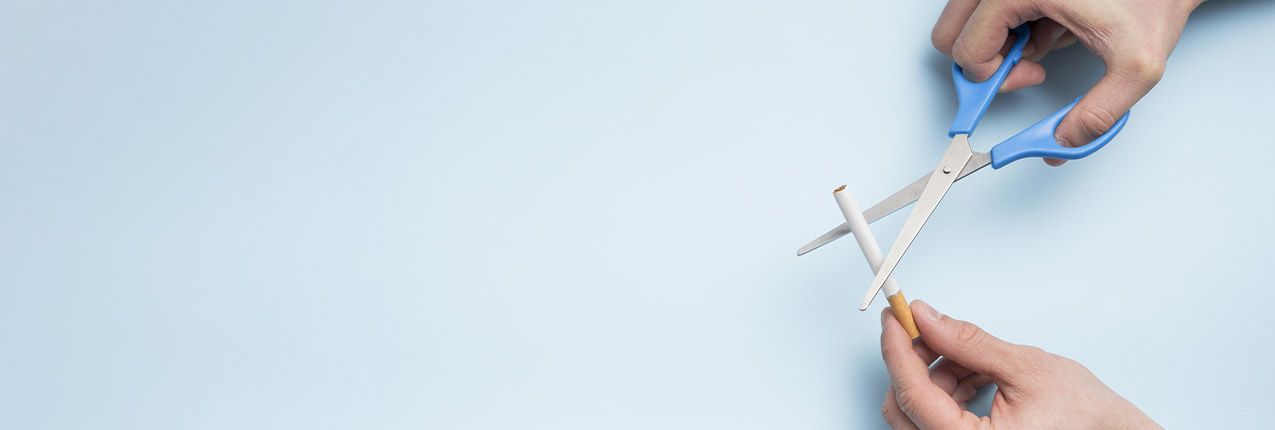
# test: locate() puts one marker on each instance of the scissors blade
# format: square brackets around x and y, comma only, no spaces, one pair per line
[899,200]
[958,154]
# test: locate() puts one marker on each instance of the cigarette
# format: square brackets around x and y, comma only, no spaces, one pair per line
[868,243]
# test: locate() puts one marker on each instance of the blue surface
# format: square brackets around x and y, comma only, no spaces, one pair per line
[556,214]
[1038,140]
[973,98]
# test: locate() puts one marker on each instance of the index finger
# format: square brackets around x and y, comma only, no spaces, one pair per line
[923,401]
[950,23]
[977,48]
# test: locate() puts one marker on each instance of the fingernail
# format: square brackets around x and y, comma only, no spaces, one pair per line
[885,313]
[924,310]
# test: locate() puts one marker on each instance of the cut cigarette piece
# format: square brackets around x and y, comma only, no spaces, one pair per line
[868,244]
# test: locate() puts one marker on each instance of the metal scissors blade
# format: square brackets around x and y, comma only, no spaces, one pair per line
[899,200]
[958,154]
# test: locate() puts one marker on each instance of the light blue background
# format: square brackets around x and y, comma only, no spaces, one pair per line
[582,214]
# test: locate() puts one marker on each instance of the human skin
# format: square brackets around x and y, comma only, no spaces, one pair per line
[1132,37]
[932,381]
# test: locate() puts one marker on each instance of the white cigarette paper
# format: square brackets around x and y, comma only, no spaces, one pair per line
[863,234]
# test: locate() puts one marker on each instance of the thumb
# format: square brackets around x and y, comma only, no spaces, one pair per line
[968,345]
[1125,82]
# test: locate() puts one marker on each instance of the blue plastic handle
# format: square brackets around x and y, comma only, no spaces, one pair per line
[973,98]
[1038,141]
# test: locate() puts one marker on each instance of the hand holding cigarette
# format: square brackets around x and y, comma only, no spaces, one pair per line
[1036,389]
[932,380]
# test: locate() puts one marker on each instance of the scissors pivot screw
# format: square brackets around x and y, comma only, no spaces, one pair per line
[946,170]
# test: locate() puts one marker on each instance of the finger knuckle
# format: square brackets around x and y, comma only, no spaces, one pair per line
[903,395]
[1095,121]
[893,421]
[970,335]
[961,51]
[965,55]
[1147,68]
[1030,360]
[940,42]
[1072,365]
[1031,351]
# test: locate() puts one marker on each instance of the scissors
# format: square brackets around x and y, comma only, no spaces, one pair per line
[960,160]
